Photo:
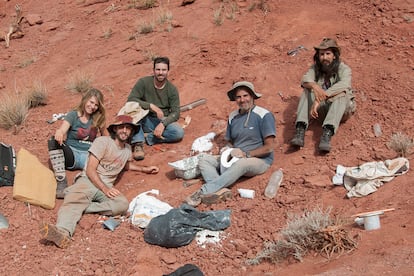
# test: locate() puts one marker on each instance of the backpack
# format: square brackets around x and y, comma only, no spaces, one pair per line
[7,165]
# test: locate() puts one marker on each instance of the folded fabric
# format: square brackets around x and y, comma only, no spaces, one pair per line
[368,177]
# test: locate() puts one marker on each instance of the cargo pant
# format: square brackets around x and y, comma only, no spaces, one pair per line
[333,112]
[84,198]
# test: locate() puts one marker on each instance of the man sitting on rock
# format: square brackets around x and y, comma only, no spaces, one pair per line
[251,131]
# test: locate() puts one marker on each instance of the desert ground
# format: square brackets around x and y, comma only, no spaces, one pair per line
[211,45]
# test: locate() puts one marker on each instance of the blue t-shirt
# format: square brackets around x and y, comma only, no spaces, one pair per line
[80,136]
[248,132]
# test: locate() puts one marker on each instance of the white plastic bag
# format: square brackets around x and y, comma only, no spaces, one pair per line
[144,207]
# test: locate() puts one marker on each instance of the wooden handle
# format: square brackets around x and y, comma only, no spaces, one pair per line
[367,213]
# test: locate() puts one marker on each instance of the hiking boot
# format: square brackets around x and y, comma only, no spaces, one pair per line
[217,197]
[325,143]
[138,152]
[299,138]
[61,185]
[194,199]
[51,233]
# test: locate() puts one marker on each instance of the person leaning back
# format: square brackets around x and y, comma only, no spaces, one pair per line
[327,94]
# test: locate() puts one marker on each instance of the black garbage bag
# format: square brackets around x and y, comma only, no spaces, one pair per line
[179,226]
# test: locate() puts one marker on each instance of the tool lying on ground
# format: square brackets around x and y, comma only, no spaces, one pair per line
[295,51]
[367,213]
[192,105]
[56,117]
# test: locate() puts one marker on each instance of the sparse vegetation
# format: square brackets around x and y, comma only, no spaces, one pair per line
[312,231]
[36,95]
[146,28]
[142,4]
[80,82]
[13,111]
[26,62]
[401,143]
[107,33]
[218,16]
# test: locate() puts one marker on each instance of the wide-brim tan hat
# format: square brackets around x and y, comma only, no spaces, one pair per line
[249,85]
[123,120]
[134,110]
[327,43]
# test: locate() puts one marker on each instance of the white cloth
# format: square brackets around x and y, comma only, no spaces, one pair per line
[368,177]
[203,143]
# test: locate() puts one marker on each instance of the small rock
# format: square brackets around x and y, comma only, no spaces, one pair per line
[168,258]
[33,19]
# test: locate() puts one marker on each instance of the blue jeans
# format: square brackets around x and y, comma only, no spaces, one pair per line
[80,158]
[210,165]
[172,133]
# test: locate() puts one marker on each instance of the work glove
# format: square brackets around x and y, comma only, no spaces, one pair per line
[238,153]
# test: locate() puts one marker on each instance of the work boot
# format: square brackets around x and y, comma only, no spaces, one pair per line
[325,144]
[217,197]
[138,151]
[194,199]
[51,233]
[299,138]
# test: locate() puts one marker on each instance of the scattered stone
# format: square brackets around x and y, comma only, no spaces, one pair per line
[168,258]
[33,19]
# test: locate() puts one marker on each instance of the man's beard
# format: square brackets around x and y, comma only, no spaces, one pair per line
[328,69]
[120,139]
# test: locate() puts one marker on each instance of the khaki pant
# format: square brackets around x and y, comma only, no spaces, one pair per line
[83,197]
[333,112]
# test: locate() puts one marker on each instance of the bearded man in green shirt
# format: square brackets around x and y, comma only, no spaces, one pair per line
[158,95]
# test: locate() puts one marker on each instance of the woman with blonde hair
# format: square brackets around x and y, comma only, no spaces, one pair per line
[68,148]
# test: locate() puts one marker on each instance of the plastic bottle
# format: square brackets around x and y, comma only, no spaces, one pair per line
[274,183]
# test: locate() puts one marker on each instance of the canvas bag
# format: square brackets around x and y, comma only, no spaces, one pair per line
[7,165]
[34,183]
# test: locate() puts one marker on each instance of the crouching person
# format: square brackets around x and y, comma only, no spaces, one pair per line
[94,191]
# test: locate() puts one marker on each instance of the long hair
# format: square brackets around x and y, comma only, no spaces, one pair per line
[319,72]
[99,116]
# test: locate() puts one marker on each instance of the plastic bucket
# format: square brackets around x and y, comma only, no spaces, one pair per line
[372,222]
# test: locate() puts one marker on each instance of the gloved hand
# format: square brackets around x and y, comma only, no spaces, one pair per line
[238,153]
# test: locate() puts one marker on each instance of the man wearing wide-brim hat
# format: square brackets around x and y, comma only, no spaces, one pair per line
[250,134]
[327,95]
[94,191]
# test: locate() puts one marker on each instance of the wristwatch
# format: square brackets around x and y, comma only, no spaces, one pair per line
[248,154]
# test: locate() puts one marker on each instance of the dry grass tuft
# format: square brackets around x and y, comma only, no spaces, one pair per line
[312,231]
[80,82]
[142,4]
[401,143]
[13,111]
[146,28]
[36,95]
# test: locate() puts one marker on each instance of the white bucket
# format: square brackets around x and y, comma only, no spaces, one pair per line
[372,221]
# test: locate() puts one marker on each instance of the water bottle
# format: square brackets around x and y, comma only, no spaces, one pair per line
[274,183]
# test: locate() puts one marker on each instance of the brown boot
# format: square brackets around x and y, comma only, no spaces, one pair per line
[217,197]
[51,233]
[138,151]
[194,199]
